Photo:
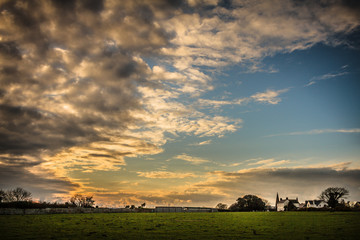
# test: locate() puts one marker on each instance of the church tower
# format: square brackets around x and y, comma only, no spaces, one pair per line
[277,200]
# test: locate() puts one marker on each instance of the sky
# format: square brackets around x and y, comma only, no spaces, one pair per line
[182,103]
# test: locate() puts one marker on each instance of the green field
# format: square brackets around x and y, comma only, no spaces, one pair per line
[253,225]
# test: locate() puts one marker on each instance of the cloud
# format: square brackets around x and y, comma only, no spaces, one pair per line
[164,174]
[69,76]
[269,97]
[196,198]
[317,131]
[215,103]
[326,76]
[207,142]
[21,172]
[163,112]
[216,35]
[191,159]
[269,162]
[330,75]
[265,161]
[76,96]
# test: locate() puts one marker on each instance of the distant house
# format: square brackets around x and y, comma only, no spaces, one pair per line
[353,204]
[285,204]
[315,204]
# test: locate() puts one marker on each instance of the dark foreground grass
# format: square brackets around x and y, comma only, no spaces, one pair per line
[254,225]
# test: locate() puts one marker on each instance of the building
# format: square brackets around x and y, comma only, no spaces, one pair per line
[183,209]
[199,209]
[286,204]
[315,204]
[168,209]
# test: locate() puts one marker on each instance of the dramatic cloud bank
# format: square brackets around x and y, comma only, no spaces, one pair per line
[84,84]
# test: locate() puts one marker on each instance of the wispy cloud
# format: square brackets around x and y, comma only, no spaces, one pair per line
[191,159]
[263,161]
[269,97]
[269,162]
[318,131]
[216,103]
[207,142]
[164,174]
[326,76]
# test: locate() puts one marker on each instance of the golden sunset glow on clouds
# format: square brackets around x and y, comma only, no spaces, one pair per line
[178,102]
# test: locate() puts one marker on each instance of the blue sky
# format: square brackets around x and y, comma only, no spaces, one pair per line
[186,103]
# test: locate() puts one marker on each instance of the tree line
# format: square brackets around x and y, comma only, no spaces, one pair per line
[21,198]
[333,196]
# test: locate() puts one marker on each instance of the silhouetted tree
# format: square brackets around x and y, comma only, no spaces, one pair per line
[76,200]
[254,202]
[2,195]
[132,207]
[8,196]
[239,205]
[248,203]
[89,202]
[332,195]
[15,195]
[82,201]
[221,206]
[143,205]
[21,194]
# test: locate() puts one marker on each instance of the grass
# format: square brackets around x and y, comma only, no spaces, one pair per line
[253,225]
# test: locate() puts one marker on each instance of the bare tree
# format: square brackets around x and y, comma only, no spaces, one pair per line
[2,195]
[332,195]
[9,196]
[76,200]
[21,194]
[82,201]
[15,195]
[89,201]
